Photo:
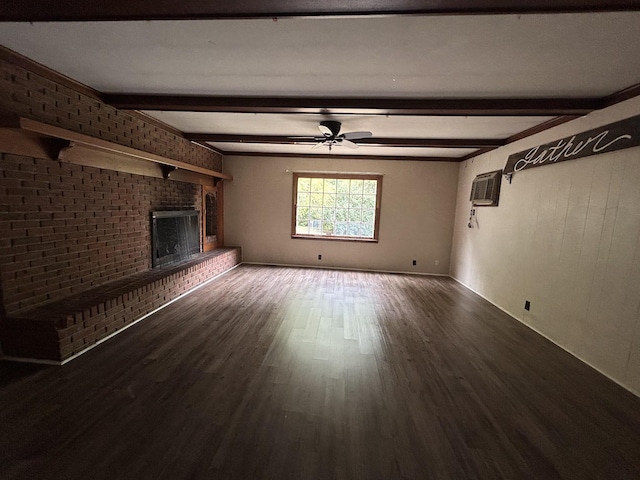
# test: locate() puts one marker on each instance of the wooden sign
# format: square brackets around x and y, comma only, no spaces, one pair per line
[615,136]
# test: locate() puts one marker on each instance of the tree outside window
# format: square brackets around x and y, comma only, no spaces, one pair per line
[336,206]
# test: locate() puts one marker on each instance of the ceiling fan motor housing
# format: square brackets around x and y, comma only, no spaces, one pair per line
[332,125]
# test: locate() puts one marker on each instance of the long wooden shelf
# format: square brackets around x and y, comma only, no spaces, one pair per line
[80,141]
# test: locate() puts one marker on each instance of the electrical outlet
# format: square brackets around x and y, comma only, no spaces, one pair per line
[437,262]
[527,305]
[319,257]
[415,263]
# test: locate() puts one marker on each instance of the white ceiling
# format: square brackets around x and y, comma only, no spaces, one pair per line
[475,56]
[306,124]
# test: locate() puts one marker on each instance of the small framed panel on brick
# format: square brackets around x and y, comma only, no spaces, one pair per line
[212,216]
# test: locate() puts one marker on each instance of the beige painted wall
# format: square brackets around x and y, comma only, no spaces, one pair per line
[567,238]
[416,218]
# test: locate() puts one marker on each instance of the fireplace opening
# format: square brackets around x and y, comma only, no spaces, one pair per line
[175,236]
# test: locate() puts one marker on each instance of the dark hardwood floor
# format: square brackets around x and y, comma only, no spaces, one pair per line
[285,373]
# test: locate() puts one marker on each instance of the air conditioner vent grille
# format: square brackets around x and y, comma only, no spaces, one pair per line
[485,190]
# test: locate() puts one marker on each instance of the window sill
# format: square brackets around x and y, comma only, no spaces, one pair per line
[335,239]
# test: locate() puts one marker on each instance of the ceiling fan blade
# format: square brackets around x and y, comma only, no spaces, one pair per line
[317,145]
[347,143]
[326,131]
[356,135]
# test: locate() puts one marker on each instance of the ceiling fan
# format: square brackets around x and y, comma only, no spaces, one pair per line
[332,137]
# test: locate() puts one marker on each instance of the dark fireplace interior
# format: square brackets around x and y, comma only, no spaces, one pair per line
[175,236]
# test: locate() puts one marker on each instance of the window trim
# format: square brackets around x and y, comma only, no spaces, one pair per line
[337,176]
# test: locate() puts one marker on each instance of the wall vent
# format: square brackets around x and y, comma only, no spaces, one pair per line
[485,190]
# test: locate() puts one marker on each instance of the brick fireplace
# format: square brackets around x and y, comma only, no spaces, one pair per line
[69,228]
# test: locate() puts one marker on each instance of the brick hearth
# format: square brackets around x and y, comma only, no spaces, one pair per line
[61,329]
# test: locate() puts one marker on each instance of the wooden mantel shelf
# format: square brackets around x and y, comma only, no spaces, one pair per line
[76,145]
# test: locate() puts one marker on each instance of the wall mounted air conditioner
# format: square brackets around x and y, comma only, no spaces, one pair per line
[485,190]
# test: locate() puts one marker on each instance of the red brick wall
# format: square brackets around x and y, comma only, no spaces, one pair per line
[32,95]
[65,228]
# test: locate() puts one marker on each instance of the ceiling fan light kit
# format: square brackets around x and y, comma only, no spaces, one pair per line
[330,130]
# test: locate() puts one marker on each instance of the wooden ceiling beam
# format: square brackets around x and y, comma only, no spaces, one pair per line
[525,133]
[622,95]
[358,106]
[342,156]
[372,141]
[81,10]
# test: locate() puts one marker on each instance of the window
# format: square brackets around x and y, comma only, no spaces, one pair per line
[336,206]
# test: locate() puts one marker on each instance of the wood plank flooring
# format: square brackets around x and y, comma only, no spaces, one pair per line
[287,373]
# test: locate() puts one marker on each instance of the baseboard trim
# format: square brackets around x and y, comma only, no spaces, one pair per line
[573,354]
[38,361]
[321,267]
[108,337]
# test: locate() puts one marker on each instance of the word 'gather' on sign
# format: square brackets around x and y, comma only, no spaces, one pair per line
[615,136]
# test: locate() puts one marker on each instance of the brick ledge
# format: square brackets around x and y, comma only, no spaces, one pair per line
[56,332]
